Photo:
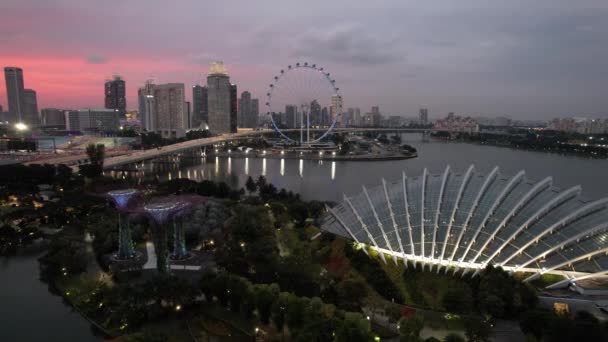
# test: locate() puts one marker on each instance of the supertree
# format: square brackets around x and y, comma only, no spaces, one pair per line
[161,213]
[179,236]
[122,199]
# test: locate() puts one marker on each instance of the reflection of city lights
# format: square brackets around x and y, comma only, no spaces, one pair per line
[333,170]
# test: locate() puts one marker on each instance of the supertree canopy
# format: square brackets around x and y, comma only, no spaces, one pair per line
[160,213]
[122,199]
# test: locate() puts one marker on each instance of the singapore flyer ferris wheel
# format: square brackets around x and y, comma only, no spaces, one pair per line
[303,103]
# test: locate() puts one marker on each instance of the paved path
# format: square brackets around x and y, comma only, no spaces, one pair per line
[151,251]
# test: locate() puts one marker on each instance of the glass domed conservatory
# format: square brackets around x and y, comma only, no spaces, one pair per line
[463,221]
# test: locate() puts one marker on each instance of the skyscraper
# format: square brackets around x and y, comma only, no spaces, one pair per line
[188,109]
[234,108]
[170,111]
[115,95]
[14,93]
[30,108]
[357,117]
[325,117]
[376,117]
[291,116]
[147,105]
[220,103]
[244,109]
[255,113]
[52,117]
[199,106]
[314,115]
[336,110]
[423,116]
[248,111]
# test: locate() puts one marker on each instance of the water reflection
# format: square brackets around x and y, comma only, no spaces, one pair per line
[264,167]
[327,181]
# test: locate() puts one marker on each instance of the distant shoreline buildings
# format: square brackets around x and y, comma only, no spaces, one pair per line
[216,106]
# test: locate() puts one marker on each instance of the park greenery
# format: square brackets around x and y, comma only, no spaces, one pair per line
[275,275]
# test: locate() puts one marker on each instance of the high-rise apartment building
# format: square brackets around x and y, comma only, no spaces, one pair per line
[14,93]
[244,109]
[115,95]
[171,116]
[357,118]
[30,108]
[92,120]
[199,106]
[255,112]
[147,105]
[423,116]
[188,108]
[52,117]
[234,108]
[221,100]
[336,110]
[314,114]
[291,116]
[248,111]
[376,117]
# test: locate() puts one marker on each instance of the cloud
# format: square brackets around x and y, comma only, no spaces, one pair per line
[346,44]
[201,58]
[97,59]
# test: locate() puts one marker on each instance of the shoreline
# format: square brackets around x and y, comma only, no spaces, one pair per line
[311,156]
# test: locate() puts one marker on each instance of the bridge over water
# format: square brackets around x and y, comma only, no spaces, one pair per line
[139,155]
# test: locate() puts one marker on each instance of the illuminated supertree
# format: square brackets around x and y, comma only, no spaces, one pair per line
[161,213]
[121,199]
[179,236]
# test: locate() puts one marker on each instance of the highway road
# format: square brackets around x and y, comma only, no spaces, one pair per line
[139,155]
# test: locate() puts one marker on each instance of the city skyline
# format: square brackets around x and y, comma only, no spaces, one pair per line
[528,60]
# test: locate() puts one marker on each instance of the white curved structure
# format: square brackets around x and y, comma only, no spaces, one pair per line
[468,220]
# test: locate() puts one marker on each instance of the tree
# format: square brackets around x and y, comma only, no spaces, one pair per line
[477,330]
[261,182]
[251,185]
[278,309]
[351,292]
[264,296]
[458,298]
[223,190]
[534,322]
[452,337]
[410,328]
[96,154]
[207,188]
[353,328]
